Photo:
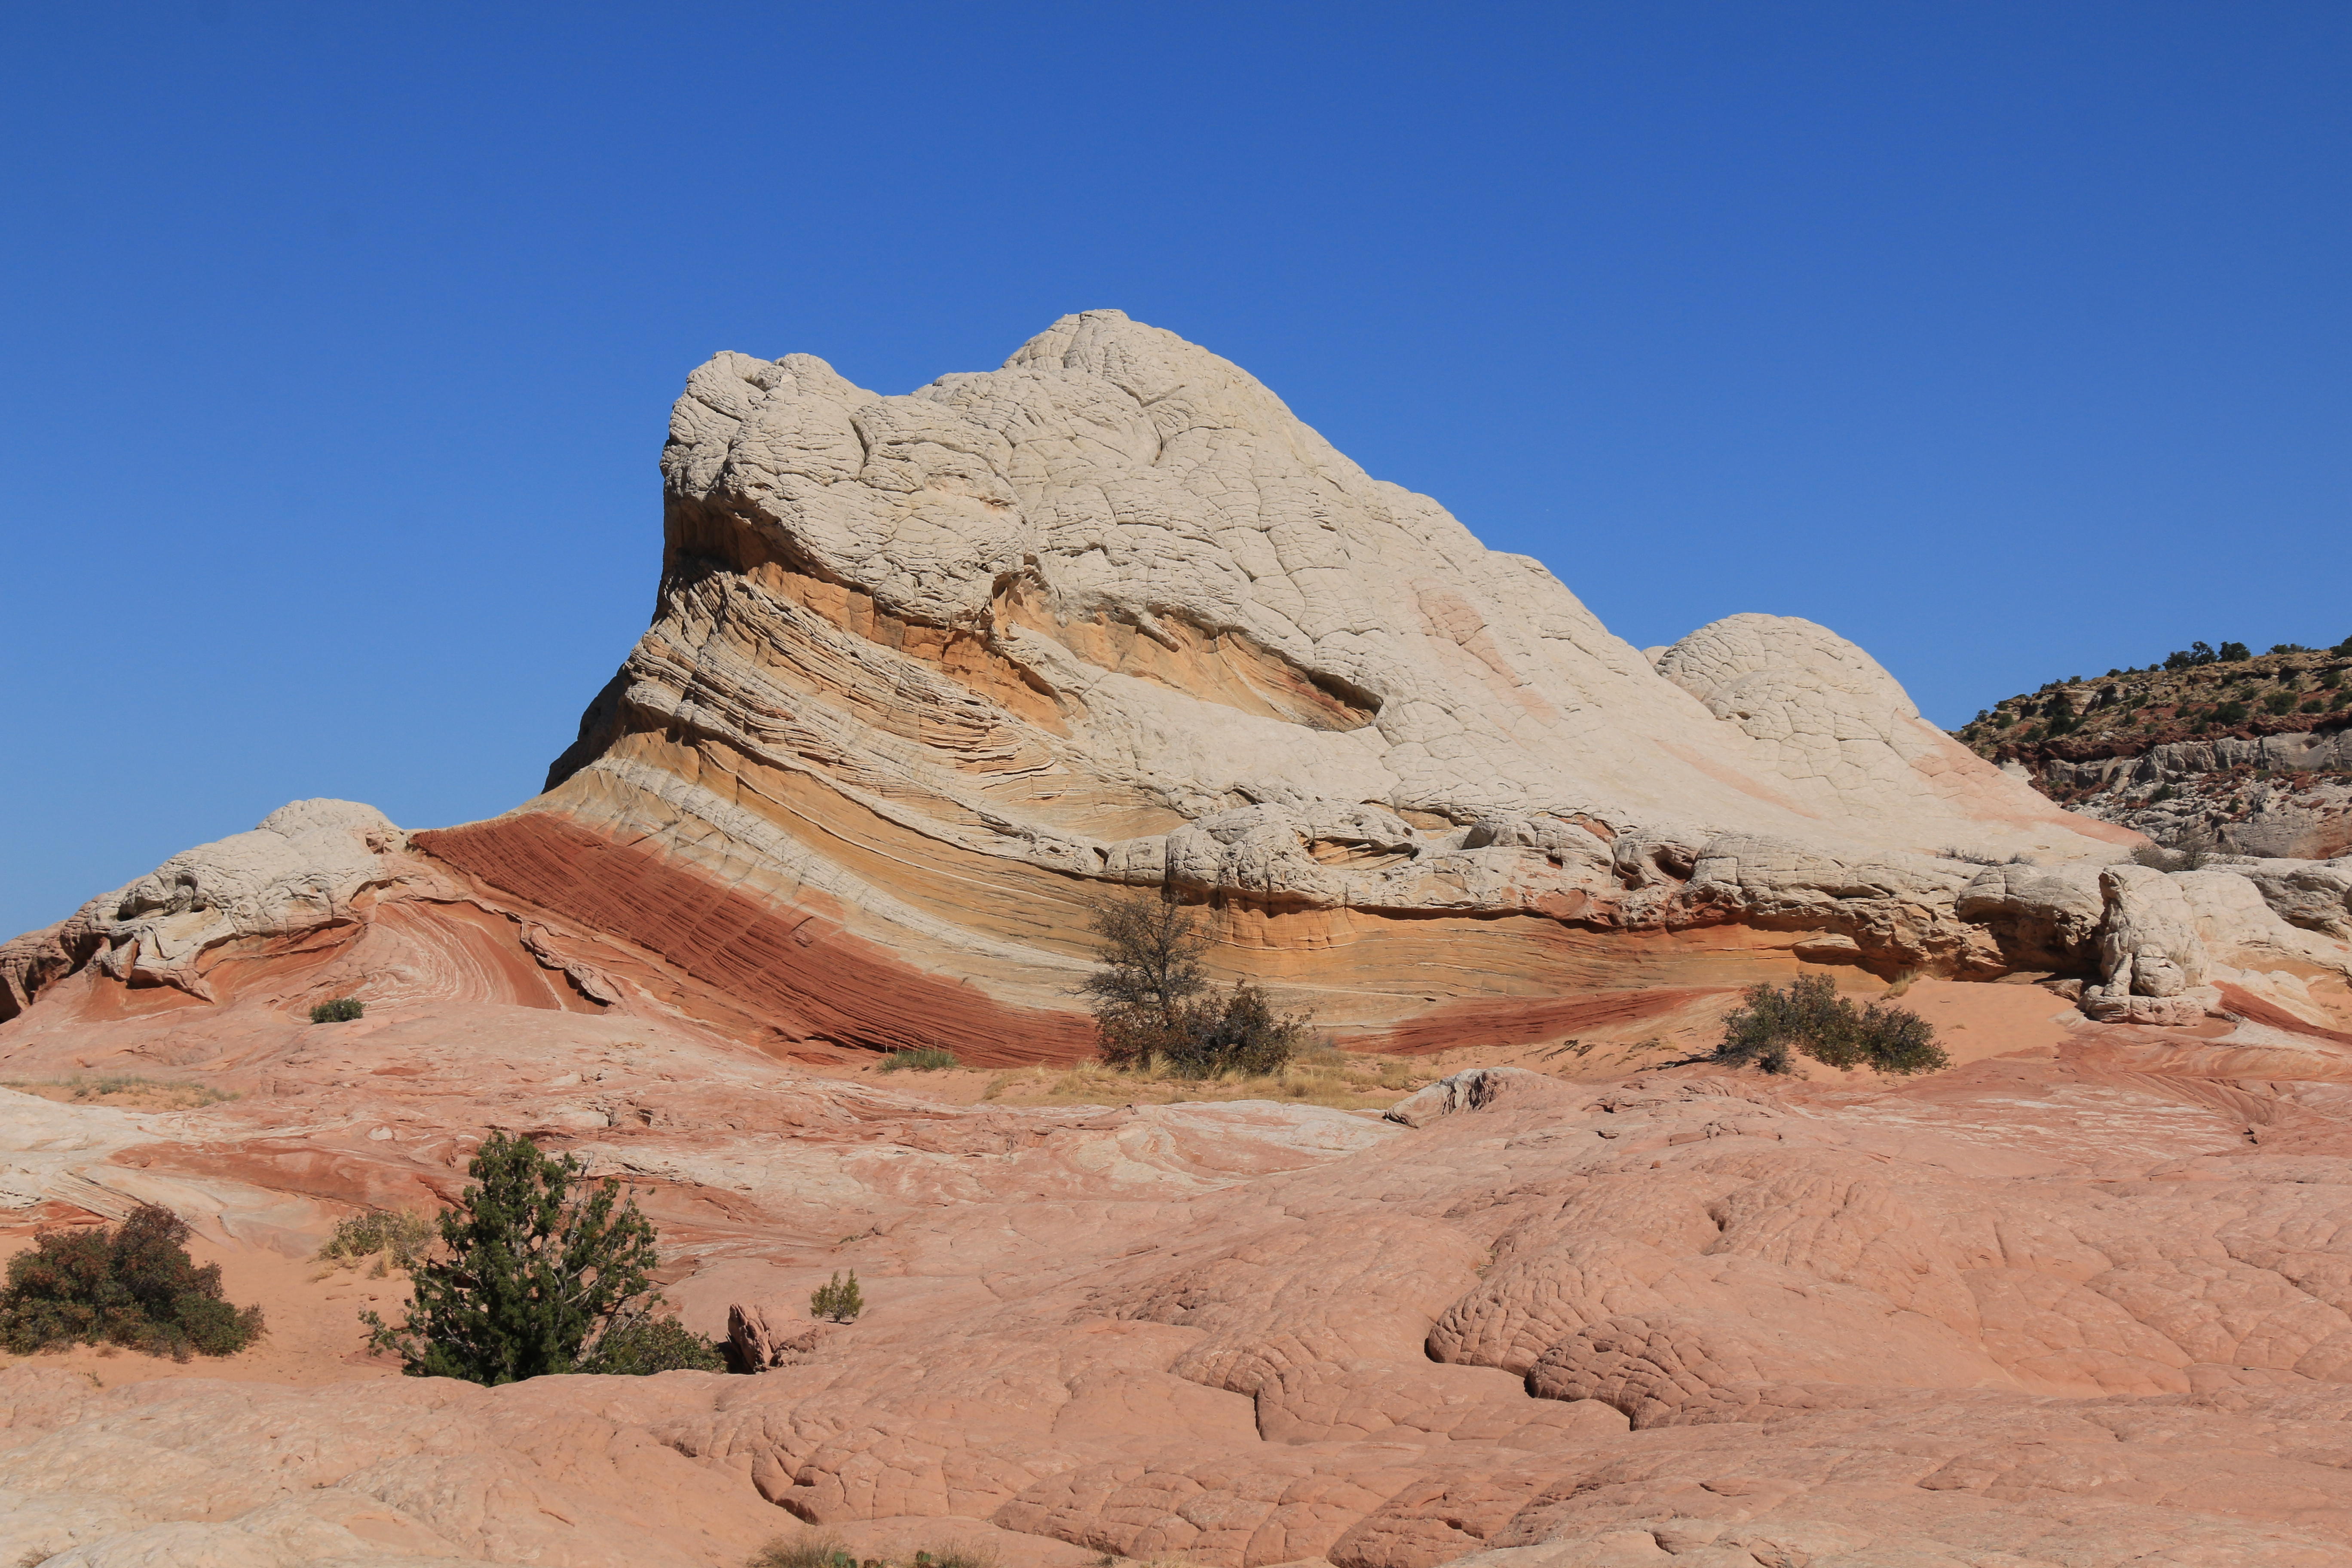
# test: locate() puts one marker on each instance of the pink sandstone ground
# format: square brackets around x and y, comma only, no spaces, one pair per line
[2085,1300]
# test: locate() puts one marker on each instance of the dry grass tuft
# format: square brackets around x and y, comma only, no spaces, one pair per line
[126,1092]
[395,1238]
[812,1549]
[1320,1075]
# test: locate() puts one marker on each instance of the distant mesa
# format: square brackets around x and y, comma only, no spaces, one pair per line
[2214,751]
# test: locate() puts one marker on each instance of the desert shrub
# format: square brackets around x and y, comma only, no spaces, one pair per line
[647,1344]
[1154,1007]
[342,1010]
[2280,701]
[398,1237]
[924,1059]
[1147,952]
[127,1089]
[828,1551]
[1809,1015]
[133,1286]
[808,1550]
[1320,1073]
[837,1300]
[962,1556]
[2230,712]
[537,1266]
[2195,855]
[1239,1032]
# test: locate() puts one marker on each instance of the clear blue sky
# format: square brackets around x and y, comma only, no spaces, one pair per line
[336,342]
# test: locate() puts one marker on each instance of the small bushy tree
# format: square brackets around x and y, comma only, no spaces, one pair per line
[539,1271]
[1148,952]
[342,1010]
[1809,1015]
[1153,1004]
[836,1299]
[133,1286]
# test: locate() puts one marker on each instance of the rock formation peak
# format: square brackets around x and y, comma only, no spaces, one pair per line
[928,674]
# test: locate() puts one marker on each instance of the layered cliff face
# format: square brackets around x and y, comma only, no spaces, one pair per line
[931,670]
[928,673]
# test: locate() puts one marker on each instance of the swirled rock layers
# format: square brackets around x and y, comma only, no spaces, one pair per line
[943,666]
[928,673]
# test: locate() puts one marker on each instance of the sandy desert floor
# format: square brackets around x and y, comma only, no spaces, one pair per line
[2085,1299]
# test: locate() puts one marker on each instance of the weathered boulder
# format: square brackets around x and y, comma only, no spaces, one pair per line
[2148,945]
[1514,1089]
[304,866]
[767,1335]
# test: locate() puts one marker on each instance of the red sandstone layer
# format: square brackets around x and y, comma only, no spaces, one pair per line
[797,968]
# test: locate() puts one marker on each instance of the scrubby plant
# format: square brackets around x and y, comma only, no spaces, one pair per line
[342,1010]
[127,1089]
[1153,1005]
[837,1300]
[920,1058]
[1809,1015]
[812,1549]
[1320,1074]
[646,1343]
[1238,1032]
[808,1550]
[396,1238]
[2191,849]
[957,1556]
[133,1286]
[539,1270]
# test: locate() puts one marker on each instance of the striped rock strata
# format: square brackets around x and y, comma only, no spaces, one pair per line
[928,672]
